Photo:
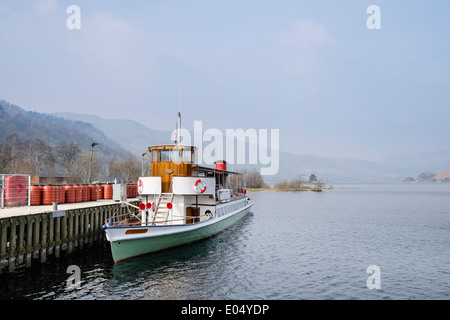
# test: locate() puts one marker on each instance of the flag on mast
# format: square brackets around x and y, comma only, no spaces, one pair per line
[177,137]
[176,132]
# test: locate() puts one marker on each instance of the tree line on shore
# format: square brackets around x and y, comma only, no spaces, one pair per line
[36,158]
[254,180]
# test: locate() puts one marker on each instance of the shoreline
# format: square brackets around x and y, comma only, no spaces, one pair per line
[315,189]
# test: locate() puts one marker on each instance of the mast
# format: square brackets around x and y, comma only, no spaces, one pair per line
[179,115]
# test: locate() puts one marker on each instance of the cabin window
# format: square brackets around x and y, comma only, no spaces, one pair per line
[186,155]
[164,155]
[176,155]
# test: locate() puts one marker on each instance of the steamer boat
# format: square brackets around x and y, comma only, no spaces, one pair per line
[181,202]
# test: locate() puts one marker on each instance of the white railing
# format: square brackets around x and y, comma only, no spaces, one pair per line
[132,217]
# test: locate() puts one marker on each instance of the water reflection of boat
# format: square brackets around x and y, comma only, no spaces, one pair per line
[181,202]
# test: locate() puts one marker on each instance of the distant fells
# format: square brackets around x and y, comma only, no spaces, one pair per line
[427,177]
[118,138]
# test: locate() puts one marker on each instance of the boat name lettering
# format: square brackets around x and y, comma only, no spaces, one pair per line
[135,231]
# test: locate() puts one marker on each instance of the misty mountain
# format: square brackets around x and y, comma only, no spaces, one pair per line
[54,130]
[410,164]
[129,134]
[136,137]
[116,137]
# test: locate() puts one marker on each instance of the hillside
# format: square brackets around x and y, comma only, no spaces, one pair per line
[135,137]
[427,177]
[117,137]
[129,134]
[54,130]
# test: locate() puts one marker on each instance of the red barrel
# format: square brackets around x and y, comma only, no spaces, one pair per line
[49,195]
[62,194]
[85,189]
[93,192]
[69,194]
[78,193]
[35,195]
[100,191]
[108,192]
[16,192]
[56,190]
[88,192]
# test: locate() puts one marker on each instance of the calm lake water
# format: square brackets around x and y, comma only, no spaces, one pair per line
[294,245]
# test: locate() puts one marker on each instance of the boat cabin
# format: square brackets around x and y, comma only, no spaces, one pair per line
[179,191]
[173,160]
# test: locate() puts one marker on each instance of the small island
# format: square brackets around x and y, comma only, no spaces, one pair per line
[442,176]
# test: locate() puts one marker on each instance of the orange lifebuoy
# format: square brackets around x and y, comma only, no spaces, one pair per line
[200,186]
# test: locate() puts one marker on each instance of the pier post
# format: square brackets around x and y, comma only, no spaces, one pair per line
[3,245]
[12,245]
[57,236]
[81,228]
[29,245]
[44,232]
[88,223]
[21,249]
[64,235]
[76,218]
[70,232]
[51,234]
[36,234]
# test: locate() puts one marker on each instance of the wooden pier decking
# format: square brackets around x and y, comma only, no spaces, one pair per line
[32,233]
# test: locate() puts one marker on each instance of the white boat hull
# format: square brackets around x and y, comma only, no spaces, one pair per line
[131,241]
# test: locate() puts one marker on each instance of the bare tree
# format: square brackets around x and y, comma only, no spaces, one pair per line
[33,156]
[38,156]
[128,169]
[12,147]
[66,155]
[81,168]
[5,158]
[253,179]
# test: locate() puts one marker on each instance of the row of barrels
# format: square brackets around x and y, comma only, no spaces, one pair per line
[46,195]
[16,192]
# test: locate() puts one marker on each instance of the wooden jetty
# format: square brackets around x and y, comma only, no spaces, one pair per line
[32,233]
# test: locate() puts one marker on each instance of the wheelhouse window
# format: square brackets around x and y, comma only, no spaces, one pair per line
[187,156]
[164,155]
[176,154]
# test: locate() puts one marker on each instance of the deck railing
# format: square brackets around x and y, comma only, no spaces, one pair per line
[132,217]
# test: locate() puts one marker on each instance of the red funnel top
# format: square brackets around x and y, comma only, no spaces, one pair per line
[221,165]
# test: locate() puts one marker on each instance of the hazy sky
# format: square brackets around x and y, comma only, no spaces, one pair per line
[309,68]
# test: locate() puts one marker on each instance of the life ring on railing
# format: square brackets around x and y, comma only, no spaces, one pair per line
[200,186]
[140,186]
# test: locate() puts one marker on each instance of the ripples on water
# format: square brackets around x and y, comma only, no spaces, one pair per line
[294,245]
